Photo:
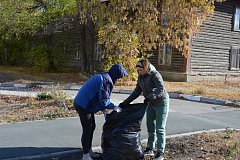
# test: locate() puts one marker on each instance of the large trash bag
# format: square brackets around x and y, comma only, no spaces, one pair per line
[121,134]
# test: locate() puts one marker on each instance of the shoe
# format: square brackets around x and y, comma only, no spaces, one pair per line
[148,152]
[94,155]
[87,157]
[158,156]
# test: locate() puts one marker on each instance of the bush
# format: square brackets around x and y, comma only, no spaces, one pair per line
[44,58]
[44,96]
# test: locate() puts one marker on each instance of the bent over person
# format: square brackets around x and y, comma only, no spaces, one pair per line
[150,83]
[92,97]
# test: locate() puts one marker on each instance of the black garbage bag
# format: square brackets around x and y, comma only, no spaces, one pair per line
[121,134]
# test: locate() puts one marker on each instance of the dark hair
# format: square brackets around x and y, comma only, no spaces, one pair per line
[144,64]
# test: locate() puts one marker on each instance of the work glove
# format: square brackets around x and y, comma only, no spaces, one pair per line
[117,109]
[146,101]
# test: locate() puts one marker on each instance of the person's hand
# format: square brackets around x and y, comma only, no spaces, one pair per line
[117,109]
[107,112]
[146,100]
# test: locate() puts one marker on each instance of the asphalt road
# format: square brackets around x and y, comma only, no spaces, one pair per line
[44,137]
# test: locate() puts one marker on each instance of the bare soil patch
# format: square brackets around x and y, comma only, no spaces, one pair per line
[212,146]
[17,109]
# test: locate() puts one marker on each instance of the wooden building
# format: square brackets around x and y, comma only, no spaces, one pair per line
[76,41]
[215,54]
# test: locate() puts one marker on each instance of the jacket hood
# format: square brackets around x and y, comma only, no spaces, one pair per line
[117,71]
[151,68]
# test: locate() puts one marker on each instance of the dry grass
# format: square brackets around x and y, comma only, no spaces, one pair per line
[18,109]
[224,145]
[220,90]
[28,76]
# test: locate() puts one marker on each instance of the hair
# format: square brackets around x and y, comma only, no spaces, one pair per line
[144,63]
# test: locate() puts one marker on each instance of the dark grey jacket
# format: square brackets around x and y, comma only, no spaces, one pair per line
[151,85]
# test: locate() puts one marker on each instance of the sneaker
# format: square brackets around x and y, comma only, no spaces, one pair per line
[148,152]
[94,155]
[158,156]
[87,157]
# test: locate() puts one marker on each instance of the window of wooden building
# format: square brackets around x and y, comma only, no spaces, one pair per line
[235,58]
[237,19]
[99,48]
[164,19]
[165,55]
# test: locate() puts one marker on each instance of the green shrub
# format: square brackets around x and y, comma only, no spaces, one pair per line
[38,58]
[44,96]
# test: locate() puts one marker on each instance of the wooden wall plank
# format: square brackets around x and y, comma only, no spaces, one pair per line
[211,47]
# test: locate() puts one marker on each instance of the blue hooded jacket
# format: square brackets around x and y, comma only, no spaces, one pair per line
[95,94]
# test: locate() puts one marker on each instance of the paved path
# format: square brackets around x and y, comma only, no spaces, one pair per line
[44,137]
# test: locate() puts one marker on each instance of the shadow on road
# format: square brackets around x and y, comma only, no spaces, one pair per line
[37,153]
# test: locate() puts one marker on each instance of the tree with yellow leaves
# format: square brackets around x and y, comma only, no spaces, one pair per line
[129,28]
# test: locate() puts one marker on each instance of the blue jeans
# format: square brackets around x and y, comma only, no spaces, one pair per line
[156,123]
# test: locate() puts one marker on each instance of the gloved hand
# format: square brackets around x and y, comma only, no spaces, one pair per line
[117,109]
[146,100]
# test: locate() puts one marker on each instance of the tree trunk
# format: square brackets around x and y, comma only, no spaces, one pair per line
[90,34]
[83,47]
[5,58]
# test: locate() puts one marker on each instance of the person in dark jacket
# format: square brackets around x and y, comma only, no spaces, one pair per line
[150,83]
[92,97]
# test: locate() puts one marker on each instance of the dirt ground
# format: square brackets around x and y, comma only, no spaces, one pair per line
[17,109]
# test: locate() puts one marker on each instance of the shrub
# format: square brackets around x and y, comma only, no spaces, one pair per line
[44,96]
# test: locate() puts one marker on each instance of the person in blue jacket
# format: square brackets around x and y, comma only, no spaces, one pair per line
[92,97]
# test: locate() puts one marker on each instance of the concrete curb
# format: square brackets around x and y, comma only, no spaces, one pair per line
[13,85]
[75,87]
[205,99]
[98,148]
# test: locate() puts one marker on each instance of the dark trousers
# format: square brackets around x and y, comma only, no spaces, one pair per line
[88,126]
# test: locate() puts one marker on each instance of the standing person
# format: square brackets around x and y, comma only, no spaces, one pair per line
[150,82]
[92,97]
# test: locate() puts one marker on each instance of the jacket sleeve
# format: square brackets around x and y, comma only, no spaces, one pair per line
[135,94]
[104,96]
[158,91]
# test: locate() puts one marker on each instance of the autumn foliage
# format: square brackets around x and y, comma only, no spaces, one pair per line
[131,27]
